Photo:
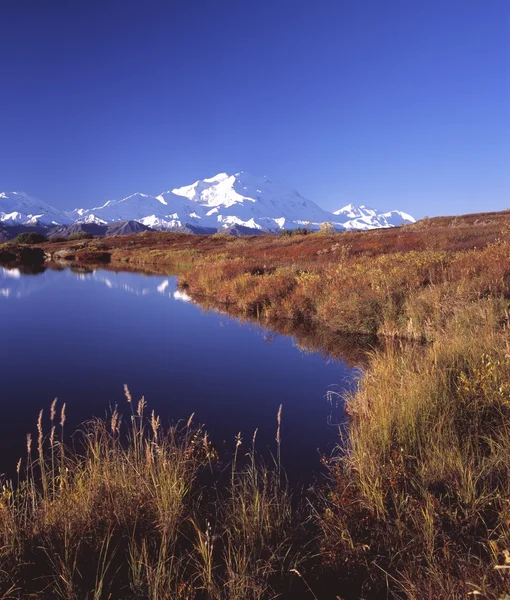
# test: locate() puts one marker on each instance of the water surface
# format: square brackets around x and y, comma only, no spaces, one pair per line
[81,336]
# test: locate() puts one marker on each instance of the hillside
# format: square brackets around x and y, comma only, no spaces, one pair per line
[442,233]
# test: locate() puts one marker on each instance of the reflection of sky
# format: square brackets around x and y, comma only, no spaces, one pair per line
[81,336]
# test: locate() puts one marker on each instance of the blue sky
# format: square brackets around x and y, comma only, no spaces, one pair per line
[393,103]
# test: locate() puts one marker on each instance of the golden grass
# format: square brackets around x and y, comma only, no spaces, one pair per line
[129,514]
[421,497]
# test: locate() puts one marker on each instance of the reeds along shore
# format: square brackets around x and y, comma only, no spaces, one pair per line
[137,511]
[421,491]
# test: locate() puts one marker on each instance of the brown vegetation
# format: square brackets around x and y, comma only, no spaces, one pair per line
[449,234]
[403,294]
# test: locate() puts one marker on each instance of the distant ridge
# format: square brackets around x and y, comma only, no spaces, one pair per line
[117,228]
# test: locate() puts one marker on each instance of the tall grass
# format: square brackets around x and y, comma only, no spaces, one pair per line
[135,510]
[421,496]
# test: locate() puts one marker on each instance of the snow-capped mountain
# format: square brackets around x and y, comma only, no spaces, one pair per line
[152,211]
[363,217]
[255,202]
[220,202]
[16,208]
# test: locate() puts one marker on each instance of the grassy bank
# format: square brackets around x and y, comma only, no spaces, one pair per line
[405,294]
[418,504]
[420,495]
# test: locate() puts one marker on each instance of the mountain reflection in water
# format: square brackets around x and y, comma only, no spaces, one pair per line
[81,334]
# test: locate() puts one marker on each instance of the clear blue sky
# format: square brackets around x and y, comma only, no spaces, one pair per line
[393,103]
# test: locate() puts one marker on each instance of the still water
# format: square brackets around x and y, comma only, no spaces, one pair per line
[81,336]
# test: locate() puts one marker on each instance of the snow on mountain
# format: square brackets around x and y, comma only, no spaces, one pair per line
[220,202]
[16,208]
[133,207]
[256,202]
[363,217]
[394,218]
[352,211]
[161,224]
[91,218]
[162,212]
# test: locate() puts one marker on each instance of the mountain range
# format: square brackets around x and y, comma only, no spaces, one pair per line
[238,204]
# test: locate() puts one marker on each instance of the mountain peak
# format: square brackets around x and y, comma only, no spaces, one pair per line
[18,208]
[18,196]
[364,217]
[138,196]
[217,178]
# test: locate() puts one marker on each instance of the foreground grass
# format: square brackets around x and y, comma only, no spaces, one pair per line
[416,504]
[419,503]
[146,515]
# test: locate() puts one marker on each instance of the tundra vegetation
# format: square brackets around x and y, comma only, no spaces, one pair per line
[415,503]
[29,237]
[80,235]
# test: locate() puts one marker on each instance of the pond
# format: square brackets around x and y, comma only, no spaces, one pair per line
[80,336]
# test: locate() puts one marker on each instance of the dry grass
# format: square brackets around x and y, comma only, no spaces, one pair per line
[420,504]
[136,511]
[405,294]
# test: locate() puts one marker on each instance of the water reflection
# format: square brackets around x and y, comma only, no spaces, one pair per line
[13,284]
[353,349]
[80,334]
